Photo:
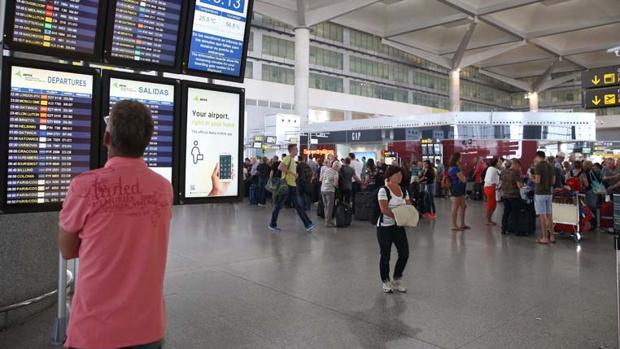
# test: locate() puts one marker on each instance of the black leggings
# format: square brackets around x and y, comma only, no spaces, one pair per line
[386,236]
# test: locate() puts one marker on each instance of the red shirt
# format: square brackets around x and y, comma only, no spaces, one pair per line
[121,214]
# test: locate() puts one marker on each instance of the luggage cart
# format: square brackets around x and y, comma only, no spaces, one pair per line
[566,210]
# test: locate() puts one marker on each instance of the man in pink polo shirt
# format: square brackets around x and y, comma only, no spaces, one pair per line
[117,220]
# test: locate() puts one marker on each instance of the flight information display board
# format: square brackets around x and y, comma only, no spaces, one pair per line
[145,32]
[63,28]
[160,98]
[48,115]
[217,38]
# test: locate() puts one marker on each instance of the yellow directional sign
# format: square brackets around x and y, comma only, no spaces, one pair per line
[609,79]
[602,97]
[610,99]
[601,77]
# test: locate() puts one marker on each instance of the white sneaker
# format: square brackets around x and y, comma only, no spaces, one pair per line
[397,285]
[387,287]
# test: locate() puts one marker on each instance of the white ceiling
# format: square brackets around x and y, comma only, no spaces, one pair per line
[514,38]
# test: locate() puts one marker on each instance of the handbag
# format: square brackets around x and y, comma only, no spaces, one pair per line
[597,187]
[406,216]
[277,186]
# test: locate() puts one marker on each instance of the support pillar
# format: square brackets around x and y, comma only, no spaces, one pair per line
[533,98]
[455,90]
[302,73]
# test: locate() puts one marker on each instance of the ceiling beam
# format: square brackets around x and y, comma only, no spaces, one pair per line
[460,52]
[513,62]
[283,14]
[505,6]
[508,80]
[558,81]
[417,26]
[429,56]
[570,27]
[334,10]
[474,58]
[545,76]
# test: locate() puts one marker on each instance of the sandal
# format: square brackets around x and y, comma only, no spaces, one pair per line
[465,227]
[540,241]
[455,229]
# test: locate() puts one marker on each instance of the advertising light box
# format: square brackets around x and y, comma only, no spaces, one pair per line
[160,96]
[67,29]
[145,33]
[212,143]
[48,132]
[217,38]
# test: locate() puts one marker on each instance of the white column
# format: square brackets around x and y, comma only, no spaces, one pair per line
[302,73]
[533,98]
[455,90]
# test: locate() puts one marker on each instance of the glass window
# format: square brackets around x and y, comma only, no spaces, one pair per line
[329,31]
[278,74]
[326,58]
[326,82]
[249,69]
[278,47]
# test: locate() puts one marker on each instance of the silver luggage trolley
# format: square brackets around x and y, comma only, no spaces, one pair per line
[567,210]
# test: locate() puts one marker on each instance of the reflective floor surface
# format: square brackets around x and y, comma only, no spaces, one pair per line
[231,283]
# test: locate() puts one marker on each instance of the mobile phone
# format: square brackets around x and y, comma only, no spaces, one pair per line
[225,167]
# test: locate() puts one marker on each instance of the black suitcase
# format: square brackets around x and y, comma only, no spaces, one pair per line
[363,205]
[478,192]
[320,209]
[343,215]
[523,223]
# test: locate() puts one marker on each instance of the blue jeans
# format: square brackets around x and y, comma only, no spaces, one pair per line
[292,194]
[260,191]
[430,198]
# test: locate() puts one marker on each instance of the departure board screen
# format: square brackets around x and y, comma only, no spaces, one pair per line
[217,39]
[146,31]
[62,25]
[49,133]
[159,98]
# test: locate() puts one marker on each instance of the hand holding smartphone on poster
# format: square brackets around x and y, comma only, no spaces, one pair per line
[223,175]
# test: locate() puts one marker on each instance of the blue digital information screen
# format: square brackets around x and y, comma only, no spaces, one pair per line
[217,37]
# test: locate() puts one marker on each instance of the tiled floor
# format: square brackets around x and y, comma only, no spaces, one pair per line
[233,284]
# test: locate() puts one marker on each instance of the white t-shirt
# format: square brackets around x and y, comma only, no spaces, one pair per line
[330,177]
[357,166]
[395,201]
[492,177]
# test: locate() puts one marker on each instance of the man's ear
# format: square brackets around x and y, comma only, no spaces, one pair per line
[107,139]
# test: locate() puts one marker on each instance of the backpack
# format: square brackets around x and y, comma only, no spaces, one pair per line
[375,209]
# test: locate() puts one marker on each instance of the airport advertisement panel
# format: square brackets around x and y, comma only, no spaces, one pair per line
[212,150]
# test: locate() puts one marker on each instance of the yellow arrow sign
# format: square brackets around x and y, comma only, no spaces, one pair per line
[596,100]
[596,80]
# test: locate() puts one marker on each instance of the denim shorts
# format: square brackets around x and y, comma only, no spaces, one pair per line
[542,204]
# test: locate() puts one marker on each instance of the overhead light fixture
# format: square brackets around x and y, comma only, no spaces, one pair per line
[615,50]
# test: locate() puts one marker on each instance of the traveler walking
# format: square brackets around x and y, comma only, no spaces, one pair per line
[457,192]
[288,168]
[491,183]
[117,221]
[511,186]
[543,177]
[329,184]
[388,232]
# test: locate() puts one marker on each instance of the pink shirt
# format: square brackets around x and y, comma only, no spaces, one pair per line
[122,214]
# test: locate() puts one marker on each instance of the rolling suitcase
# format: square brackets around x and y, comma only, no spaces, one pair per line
[320,209]
[363,206]
[525,222]
[343,215]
